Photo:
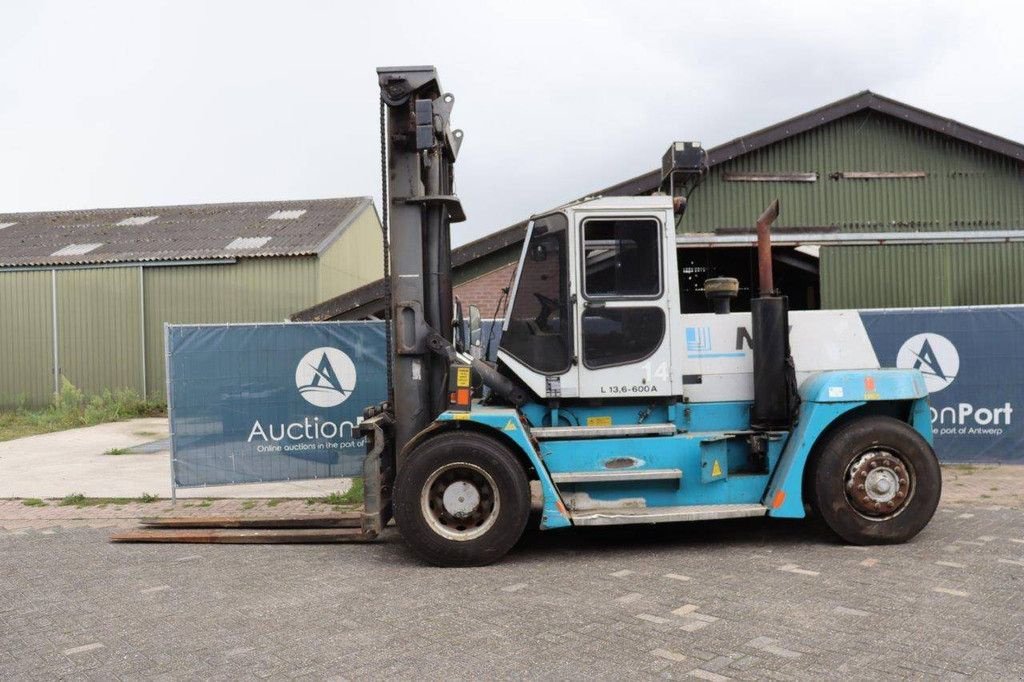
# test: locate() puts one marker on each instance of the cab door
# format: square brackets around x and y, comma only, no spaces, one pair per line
[623,325]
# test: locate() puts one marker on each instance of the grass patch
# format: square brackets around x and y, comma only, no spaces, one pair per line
[80,500]
[76,499]
[337,499]
[965,469]
[205,503]
[249,504]
[274,502]
[117,451]
[33,502]
[72,408]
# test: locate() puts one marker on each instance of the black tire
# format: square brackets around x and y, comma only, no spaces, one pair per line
[495,523]
[852,505]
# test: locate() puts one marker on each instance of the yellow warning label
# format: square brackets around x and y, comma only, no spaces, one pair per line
[511,426]
[462,377]
[715,469]
[460,415]
[599,421]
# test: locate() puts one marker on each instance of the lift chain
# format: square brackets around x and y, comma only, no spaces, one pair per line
[384,226]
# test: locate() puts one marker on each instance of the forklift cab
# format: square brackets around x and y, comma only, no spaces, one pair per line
[591,313]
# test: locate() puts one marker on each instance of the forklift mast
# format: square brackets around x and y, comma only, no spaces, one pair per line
[419,149]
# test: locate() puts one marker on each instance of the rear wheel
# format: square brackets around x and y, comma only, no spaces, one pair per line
[875,481]
[461,499]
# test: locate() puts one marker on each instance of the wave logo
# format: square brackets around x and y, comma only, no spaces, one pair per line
[934,355]
[325,377]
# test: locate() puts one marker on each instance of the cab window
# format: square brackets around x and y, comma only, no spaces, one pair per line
[538,332]
[621,258]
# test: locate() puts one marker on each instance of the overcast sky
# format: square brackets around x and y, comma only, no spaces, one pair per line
[135,103]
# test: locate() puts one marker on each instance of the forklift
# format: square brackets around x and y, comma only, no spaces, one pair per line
[605,396]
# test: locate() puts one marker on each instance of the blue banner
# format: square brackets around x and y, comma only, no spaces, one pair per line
[271,402]
[973,363]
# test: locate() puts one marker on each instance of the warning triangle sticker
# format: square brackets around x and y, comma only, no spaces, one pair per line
[511,426]
[715,469]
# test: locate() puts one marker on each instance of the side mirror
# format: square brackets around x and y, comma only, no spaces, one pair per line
[459,327]
[476,339]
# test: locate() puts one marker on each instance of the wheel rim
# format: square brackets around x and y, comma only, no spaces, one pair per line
[879,483]
[460,501]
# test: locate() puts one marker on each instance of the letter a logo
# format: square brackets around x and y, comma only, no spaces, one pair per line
[934,356]
[325,377]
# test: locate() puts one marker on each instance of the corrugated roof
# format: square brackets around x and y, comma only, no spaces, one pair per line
[170,233]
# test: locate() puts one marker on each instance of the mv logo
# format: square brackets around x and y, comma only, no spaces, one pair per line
[934,355]
[325,377]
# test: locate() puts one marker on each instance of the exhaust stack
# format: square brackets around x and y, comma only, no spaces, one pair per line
[775,393]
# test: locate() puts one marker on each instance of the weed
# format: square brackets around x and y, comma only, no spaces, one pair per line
[33,502]
[205,503]
[80,500]
[72,408]
[249,504]
[274,502]
[117,451]
[984,496]
[354,495]
[994,488]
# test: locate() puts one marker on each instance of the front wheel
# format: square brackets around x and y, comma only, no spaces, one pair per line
[875,481]
[461,499]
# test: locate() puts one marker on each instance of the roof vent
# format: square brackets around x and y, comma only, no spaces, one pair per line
[138,220]
[3,225]
[243,243]
[286,215]
[76,249]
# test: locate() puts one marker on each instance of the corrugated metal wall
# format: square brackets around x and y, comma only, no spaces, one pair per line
[26,330]
[99,335]
[966,188]
[252,290]
[356,258]
[922,275]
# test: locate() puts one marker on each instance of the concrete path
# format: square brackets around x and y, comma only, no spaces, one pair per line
[53,465]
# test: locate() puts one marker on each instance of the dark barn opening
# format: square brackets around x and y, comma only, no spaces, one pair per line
[795,269]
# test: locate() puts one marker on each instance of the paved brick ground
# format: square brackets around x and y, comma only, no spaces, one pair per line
[752,599]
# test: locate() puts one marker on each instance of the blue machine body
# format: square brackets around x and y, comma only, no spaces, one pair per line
[710,447]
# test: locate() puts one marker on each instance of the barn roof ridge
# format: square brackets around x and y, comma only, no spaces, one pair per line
[184,232]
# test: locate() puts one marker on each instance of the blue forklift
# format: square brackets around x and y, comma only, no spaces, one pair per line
[607,399]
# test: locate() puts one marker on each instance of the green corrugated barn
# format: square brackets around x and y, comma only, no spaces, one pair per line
[883,205]
[86,294]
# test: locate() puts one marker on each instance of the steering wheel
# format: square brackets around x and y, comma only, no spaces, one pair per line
[547,306]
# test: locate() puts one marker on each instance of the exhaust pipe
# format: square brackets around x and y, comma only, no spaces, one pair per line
[775,393]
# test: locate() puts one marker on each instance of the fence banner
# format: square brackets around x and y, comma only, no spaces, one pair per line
[271,402]
[973,363]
